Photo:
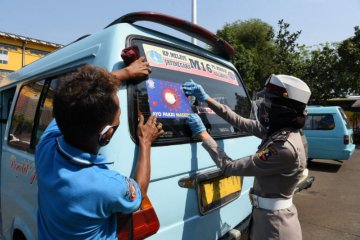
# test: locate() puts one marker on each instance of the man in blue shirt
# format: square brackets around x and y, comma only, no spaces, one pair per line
[78,195]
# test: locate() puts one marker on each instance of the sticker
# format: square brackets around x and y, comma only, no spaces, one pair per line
[167,99]
[131,191]
[266,153]
[181,62]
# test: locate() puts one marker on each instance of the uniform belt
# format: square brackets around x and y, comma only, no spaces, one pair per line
[271,204]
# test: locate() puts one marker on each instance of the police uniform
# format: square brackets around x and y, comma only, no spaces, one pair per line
[277,166]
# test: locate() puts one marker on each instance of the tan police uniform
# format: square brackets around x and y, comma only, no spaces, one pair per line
[277,166]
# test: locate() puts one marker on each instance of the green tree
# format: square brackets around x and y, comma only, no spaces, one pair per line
[349,64]
[333,70]
[288,55]
[330,71]
[321,74]
[252,41]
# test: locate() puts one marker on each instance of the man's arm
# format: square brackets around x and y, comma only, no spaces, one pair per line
[146,133]
[137,70]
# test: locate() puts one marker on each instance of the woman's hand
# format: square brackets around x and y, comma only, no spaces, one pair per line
[193,89]
[197,126]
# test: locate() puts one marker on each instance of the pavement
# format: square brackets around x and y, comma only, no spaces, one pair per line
[330,209]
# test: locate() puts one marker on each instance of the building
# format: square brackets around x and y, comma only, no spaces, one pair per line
[17,51]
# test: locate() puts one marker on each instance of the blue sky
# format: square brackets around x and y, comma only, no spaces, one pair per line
[64,21]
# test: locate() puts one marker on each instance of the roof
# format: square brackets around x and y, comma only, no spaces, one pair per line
[28,39]
[322,109]
[356,104]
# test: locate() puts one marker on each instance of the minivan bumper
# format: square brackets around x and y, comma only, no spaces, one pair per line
[347,153]
[239,232]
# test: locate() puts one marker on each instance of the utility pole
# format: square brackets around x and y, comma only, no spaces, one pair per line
[194,18]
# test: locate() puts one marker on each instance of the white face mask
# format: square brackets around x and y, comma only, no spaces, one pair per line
[102,140]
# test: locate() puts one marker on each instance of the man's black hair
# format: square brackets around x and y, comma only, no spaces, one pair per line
[84,103]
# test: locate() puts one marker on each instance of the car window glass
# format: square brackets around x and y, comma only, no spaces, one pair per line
[320,122]
[162,93]
[45,110]
[308,122]
[345,118]
[24,115]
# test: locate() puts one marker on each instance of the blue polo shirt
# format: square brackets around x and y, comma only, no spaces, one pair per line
[77,194]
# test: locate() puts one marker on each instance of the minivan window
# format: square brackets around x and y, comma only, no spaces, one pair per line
[24,115]
[162,93]
[319,122]
[45,110]
[344,117]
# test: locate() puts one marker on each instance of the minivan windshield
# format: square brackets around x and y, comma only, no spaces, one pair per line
[162,93]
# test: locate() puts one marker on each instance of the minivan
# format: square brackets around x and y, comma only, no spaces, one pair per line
[184,197]
[329,133]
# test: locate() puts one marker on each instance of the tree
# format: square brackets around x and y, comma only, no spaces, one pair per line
[330,71]
[349,65]
[333,70]
[287,57]
[252,41]
[321,74]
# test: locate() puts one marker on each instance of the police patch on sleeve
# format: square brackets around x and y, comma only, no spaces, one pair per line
[266,153]
[131,189]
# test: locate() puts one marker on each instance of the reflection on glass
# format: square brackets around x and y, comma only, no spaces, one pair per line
[24,115]
[178,66]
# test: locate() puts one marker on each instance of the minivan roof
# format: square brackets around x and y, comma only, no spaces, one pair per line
[322,109]
[84,49]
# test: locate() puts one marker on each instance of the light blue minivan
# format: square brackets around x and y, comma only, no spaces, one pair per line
[188,197]
[329,133]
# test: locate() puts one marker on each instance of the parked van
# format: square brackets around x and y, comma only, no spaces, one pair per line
[328,133]
[184,197]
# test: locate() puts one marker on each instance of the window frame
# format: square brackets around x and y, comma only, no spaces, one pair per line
[48,78]
[320,115]
[131,89]
[30,147]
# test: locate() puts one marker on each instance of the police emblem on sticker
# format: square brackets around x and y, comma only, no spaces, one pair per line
[131,189]
[266,153]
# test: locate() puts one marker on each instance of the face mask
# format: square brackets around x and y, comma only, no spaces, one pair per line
[263,106]
[102,140]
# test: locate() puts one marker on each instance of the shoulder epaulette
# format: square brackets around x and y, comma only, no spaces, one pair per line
[281,135]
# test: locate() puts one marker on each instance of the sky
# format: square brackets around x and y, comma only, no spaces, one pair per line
[64,21]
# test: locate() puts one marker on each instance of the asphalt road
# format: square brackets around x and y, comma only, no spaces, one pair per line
[330,209]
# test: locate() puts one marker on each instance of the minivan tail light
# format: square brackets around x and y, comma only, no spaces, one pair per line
[140,224]
[346,139]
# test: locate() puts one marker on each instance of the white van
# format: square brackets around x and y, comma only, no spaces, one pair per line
[185,201]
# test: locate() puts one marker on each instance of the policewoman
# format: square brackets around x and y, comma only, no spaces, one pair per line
[280,160]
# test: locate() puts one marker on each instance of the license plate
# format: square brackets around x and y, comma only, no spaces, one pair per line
[216,191]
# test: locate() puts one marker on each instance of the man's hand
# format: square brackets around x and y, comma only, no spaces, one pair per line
[193,89]
[137,70]
[197,126]
[148,132]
